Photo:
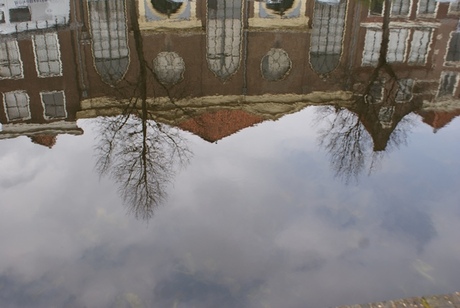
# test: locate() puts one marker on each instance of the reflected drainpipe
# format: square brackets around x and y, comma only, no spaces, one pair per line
[81,38]
[245,43]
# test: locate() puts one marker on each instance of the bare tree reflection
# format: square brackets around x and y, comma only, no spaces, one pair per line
[376,120]
[139,153]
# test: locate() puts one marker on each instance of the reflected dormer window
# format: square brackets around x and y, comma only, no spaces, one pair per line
[16,104]
[47,55]
[109,39]
[10,60]
[224,37]
[386,116]
[404,92]
[54,105]
[327,36]
[375,93]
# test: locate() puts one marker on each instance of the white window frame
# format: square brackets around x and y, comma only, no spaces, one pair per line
[450,63]
[44,106]
[7,61]
[430,15]
[406,15]
[444,73]
[428,46]
[37,60]
[410,88]
[5,106]
[454,8]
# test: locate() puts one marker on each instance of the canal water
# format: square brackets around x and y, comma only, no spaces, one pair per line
[290,153]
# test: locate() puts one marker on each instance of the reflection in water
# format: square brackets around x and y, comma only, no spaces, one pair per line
[224,37]
[166,7]
[358,135]
[256,220]
[141,156]
[328,27]
[279,7]
[109,39]
[138,153]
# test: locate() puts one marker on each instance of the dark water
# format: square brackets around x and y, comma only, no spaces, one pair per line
[228,153]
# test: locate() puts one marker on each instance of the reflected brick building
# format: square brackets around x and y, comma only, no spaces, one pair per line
[211,56]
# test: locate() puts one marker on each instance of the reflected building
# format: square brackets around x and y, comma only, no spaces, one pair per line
[109,40]
[37,84]
[327,37]
[216,62]
[224,37]
[18,16]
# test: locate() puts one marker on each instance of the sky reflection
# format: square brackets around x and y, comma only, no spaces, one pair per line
[256,220]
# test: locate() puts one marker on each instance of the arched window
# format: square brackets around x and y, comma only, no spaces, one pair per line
[328,27]
[224,36]
[109,39]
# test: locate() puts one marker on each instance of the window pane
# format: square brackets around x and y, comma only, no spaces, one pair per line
[372,44]
[397,45]
[10,60]
[16,105]
[453,54]
[419,46]
[54,105]
[47,55]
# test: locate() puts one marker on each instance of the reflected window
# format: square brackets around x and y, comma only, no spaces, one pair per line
[166,7]
[426,7]
[10,60]
[404,92]
[375,93]
[47,55]
[454,7]
[109,39]
[20,14]
[453,54]
[400,7]
[279,7]
[376,7]
[327,36]
[396,46]
[169,67]
[224,37]
[386,116]
[447,84]
[16,105]
[371,50]
[421,40]
[276,64]
[54,105]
